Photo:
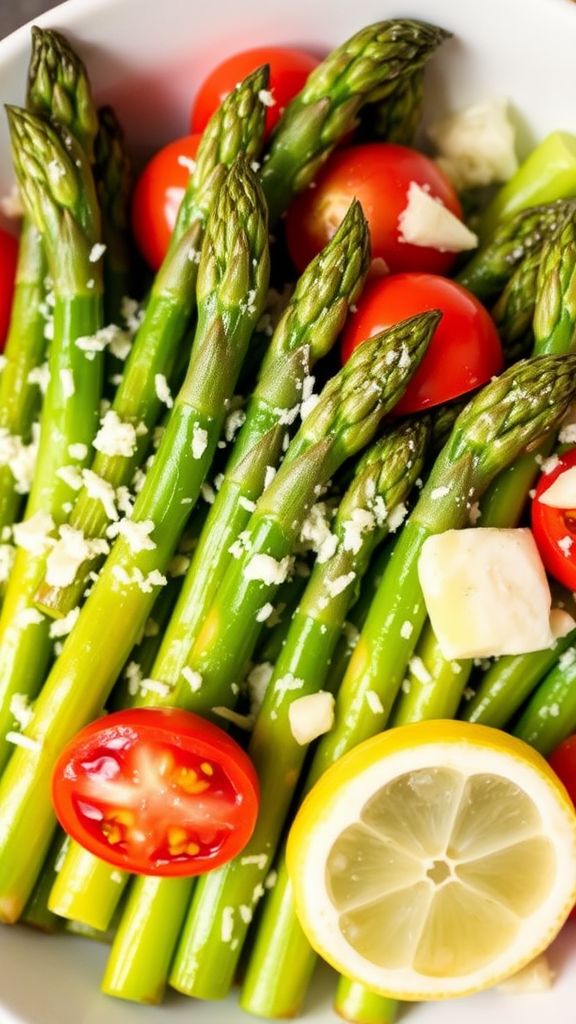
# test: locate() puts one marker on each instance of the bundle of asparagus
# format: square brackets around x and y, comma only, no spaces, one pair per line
[102,530]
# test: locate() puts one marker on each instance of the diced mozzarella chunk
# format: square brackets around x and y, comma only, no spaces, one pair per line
[476,145]
[425,221]
[486,592]
[562,492]
[311,716]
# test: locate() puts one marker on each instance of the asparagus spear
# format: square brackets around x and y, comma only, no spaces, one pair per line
[513,313]
[346,416]
[234,265]
[353,1002]
[113,174]
[550,716]
[205,963]
[58,89]
[510,413]
[306,332]
[57,187]
[140,395]
[554,332]
[516,238]
[509,682]
[368,67]
[397,118]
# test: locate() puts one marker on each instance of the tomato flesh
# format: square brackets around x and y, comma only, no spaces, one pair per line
[465,351]
[159,792]
[157,196]
[555,528]
[8,261]
[289,70]
[378,174]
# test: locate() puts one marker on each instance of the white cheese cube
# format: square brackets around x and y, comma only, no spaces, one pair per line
[311,716]
[425,221]
[476,145]
[562,492]
[486,592]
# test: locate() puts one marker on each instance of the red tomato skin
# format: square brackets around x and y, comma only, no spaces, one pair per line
[378,174]
[551,525]
[8,261]
[289,70]
[157,196]
[179,729]
[465,351]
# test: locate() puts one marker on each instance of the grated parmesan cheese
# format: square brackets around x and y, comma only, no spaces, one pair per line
[34,534]
[135,533]
[115,437]
[194,679]
[101,491]
[61,627]
[162,389]
[227,925]
[78,451]
[68,553]
[20,709]
[23,741]
[199,441]
[374,703]
[268,570]
[264,612]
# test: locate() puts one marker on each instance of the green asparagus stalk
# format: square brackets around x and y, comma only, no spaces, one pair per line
[370,66]
[205,964]
[143,389]
[513,313]
[554,332]
[548,174]
[355,1003]
[57,187]
[344,419]
[113,174]
[234,264]
[509,682]
[550,716]
[520,235]
[508,415]
[58,88]
[308,329]
[397,118]
[36,912]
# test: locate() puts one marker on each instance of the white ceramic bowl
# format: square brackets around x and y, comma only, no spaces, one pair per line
[145,57]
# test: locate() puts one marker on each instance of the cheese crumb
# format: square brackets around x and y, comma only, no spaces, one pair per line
[476,145]
[96,252]
[406,630]
[115,437]
[419,670]
[397,517]
[69,552]
[374,703]
[34,534]
[23,741]
[234,421]
[227,925]
[264,612]
[268,570]
[340,583]
[101,491]
[61,627]
[162,389]
[311,716]
[265,96]
[425,221]
[194,679]
[78,451]
[199,441]
[7,555]
[20,709]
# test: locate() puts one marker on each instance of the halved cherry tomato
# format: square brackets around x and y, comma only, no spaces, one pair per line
[563,761]
[555,528]
[378,174]
[465,350]
[8,260]
[156,791]
[289,70]
[158,194]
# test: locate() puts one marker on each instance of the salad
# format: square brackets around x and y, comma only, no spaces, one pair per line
[283,491]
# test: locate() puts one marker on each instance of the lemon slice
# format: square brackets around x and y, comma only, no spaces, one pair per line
[434,860]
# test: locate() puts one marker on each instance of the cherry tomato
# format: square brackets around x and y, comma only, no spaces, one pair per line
[158,194]
[378,174]
[465,350]
[8,260]
[289,70]
[156,791]
[555,528]
[563,761]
